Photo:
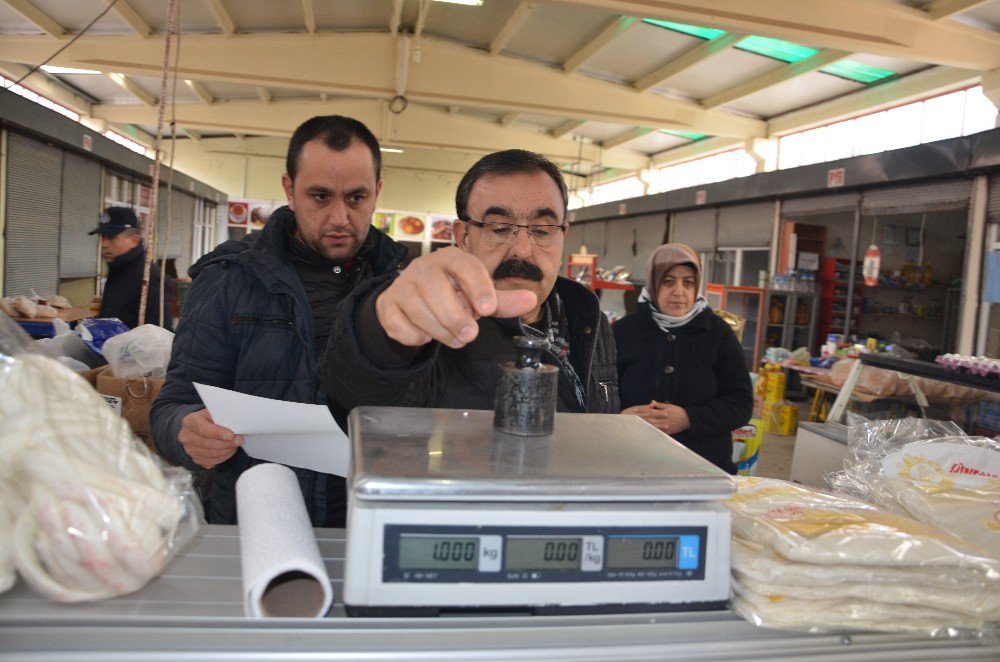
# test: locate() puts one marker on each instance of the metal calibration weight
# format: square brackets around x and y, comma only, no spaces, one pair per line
[526,391]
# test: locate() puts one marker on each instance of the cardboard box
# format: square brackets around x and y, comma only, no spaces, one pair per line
[132,397]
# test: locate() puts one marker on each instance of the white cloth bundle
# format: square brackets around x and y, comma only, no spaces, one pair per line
[88,513]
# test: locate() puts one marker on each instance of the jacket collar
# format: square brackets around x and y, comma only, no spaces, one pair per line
[700,322]
[125,259]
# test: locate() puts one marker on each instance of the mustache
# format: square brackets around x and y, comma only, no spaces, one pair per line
[515,268]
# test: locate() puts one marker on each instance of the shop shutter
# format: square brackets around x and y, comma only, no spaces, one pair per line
[619,245]
[81,210]
[574,237]
[695,228]
[179,242]
[650,234]
[184,212]
[31,238]
[931,196]
[594,238]
[993,200]
[820,204]
[746,225]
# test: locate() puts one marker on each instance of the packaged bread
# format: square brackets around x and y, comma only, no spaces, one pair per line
[25,307]
[7,306]
[59,301]
[45,311]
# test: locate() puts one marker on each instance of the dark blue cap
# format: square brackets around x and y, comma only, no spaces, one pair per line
[114,220]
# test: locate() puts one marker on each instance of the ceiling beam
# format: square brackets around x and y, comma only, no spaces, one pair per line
[200,91]
[222,17]
[47,85]
[366,68]
[939,9]
[418,127]
[627,137]
[694,150]
[309,13]
[127,14]
[191,133]
[263,93]
[396,18]
[874,27]
[133,88]
[615,29]
[698,54]
[509,118]
[565,128]
[938,80]
[46,23]
[517,17]
[425,7]
[771,78]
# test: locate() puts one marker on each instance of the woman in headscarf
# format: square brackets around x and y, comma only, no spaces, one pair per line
[680,367]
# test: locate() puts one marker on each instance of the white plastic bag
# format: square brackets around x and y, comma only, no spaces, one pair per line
[142,352]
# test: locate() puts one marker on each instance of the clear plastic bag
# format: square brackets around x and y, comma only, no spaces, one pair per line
[88,512]
[928,470]
[804,559]
[142,352]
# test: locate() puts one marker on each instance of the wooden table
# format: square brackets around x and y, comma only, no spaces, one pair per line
[42,326]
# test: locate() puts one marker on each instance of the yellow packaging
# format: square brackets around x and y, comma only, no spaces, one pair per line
[787,419]
[775,390]
[746,446]
[769,416]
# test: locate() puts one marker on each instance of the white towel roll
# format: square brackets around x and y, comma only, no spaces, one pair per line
[283,573]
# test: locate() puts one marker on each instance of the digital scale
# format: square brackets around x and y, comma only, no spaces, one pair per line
[607,514]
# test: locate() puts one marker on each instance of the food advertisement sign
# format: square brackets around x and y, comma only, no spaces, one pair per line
[239,212]
[441,228]
[410,226]
[384,221]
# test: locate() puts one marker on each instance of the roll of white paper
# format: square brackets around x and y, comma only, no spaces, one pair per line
[283,573]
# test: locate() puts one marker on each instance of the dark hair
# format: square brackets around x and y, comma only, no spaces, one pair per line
[507,162]
[337,133]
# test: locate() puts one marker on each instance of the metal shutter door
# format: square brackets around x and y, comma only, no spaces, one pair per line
[821,204]
[618,245]
[184,207]
[993,201]
[31,239]
[574,237]
[746,225]
[932,196]
[695,228]
[650,234]
[81,209]
[594,238]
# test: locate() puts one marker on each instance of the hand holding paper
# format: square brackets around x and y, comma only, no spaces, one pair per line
[291,433]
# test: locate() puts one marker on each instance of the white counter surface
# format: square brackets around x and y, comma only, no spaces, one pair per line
[195,611]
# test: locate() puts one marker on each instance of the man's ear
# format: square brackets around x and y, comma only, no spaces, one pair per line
[461,232]
[286,183]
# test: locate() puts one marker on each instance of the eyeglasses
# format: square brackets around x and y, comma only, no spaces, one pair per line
[500,234]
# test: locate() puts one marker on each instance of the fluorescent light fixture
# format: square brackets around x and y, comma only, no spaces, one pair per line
[391,150]
[52,69]
[690,135]
[471,3]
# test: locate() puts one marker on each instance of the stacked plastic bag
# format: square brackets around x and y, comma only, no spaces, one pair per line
[928,470]
[807,560]
[85,511]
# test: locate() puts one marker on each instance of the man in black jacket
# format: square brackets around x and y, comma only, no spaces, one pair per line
[434,335]
[259,310]
[122,249]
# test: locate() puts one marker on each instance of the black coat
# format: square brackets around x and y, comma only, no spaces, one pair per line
[463,378]
[248,327]
[124,285]
[699,367]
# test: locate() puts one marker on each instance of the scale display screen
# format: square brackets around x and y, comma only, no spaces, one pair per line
[452,554]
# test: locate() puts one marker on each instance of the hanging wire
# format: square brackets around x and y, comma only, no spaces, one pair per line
[170,165]
[155,196]
[64,47]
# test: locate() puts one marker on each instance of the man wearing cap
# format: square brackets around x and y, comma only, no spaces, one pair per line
[122,249]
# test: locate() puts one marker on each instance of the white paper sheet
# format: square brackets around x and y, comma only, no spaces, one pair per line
[283,572]
[292,433]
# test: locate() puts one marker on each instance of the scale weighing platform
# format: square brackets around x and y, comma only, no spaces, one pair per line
[607,514]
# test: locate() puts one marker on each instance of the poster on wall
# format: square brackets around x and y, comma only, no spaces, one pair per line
[410,226]
[383,220]
[238,213]
[441,228]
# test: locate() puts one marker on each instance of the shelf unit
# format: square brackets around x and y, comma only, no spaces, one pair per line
[835,287]
[790,320]
[748,303]
[579,262]
[799,238]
